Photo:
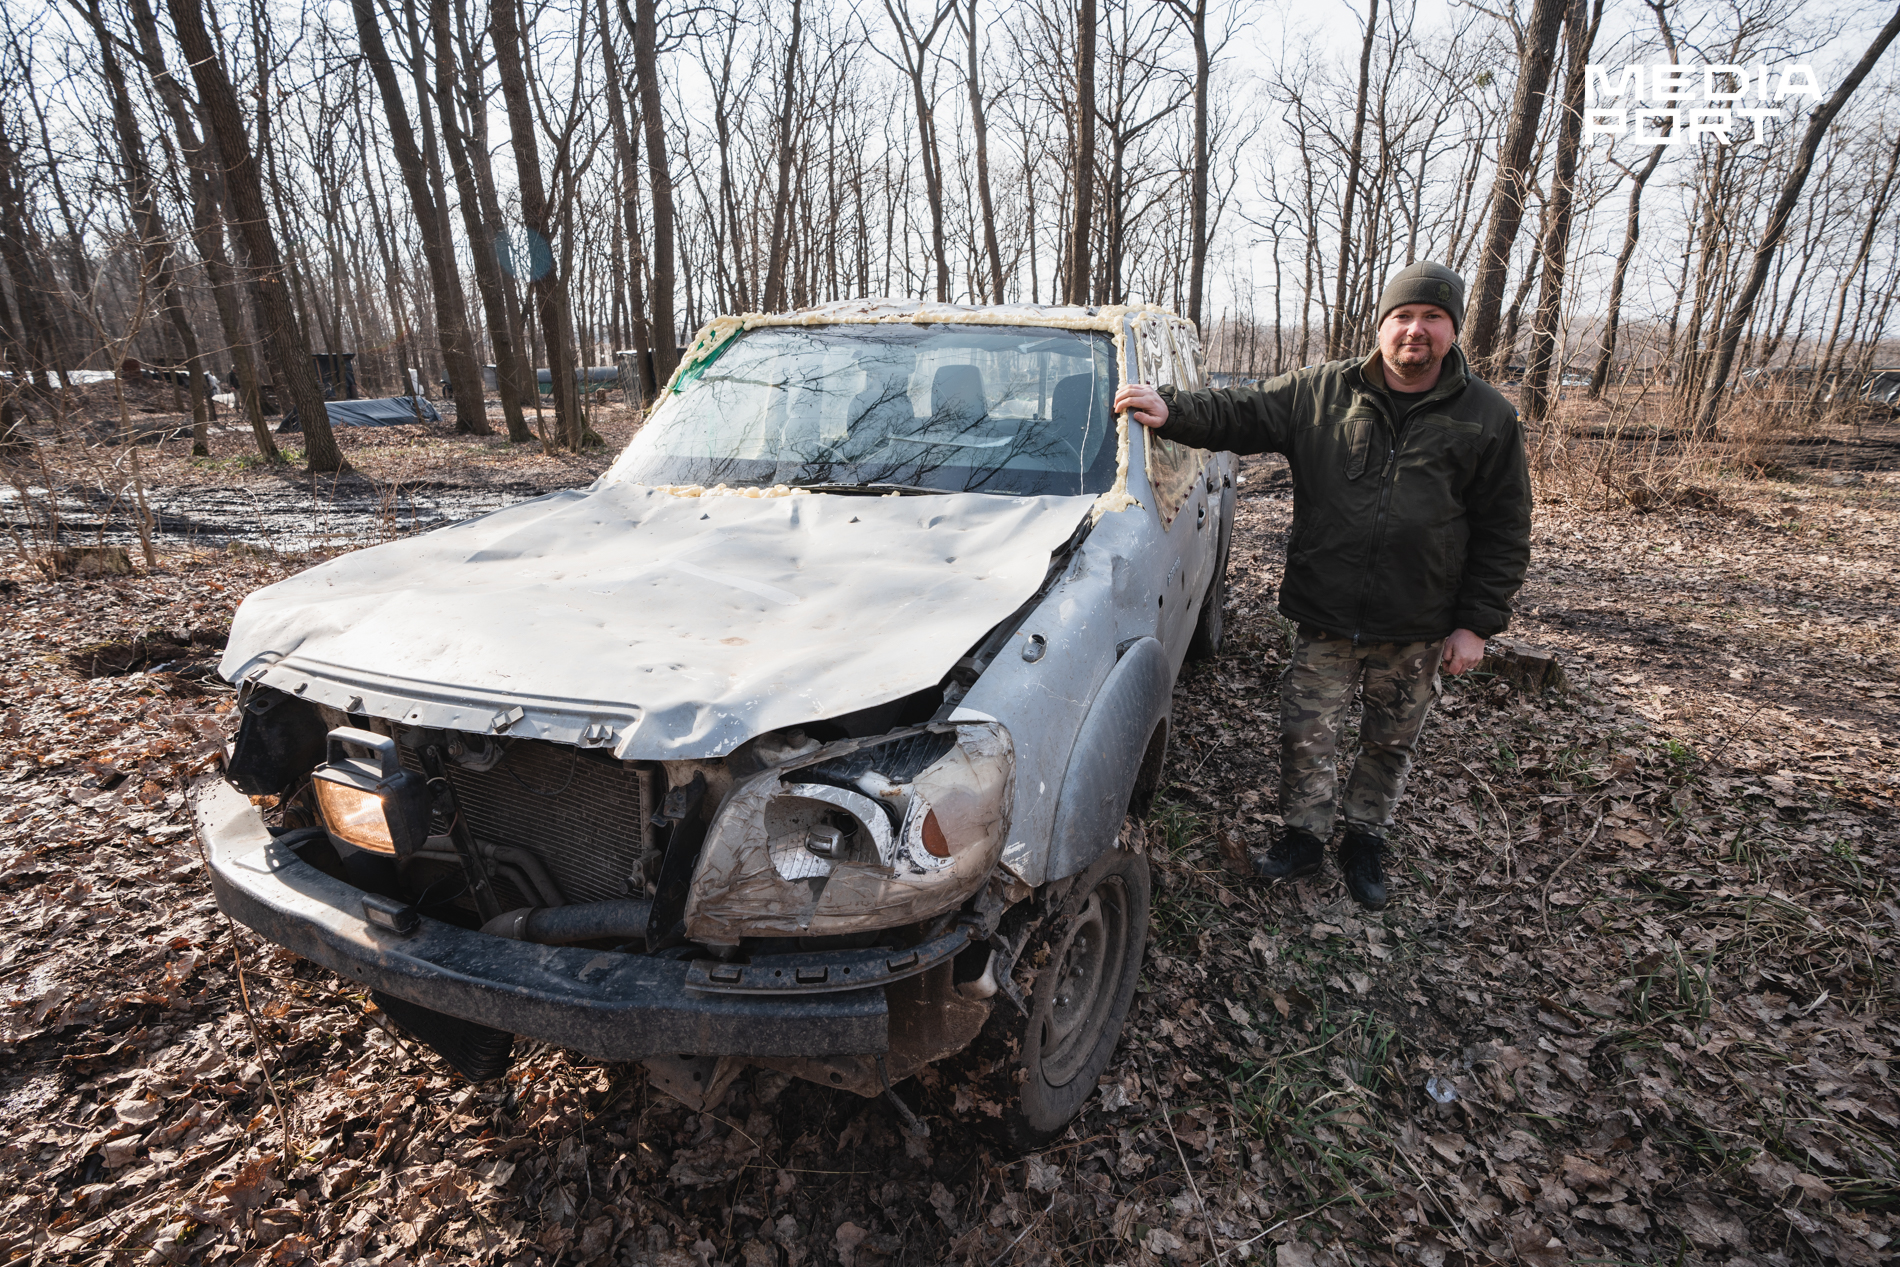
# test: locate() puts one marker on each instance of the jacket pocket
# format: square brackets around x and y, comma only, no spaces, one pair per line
[1457,426]
[1417,580]
[1357,430]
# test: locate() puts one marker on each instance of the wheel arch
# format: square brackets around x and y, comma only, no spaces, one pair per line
[1117,759]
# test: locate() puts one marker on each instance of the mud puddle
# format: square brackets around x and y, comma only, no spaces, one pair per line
[287,519]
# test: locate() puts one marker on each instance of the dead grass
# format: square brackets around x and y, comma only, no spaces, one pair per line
[1619,450]
[1644,933]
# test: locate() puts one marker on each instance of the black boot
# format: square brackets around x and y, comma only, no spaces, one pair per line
[1360,861]
[1296,853]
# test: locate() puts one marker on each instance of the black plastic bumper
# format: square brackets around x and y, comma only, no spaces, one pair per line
[610,1006]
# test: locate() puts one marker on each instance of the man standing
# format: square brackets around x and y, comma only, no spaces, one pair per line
[1411,533]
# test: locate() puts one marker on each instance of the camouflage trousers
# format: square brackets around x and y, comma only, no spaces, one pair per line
[1398,683]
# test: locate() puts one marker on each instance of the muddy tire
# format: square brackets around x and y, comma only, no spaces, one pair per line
[1086,962]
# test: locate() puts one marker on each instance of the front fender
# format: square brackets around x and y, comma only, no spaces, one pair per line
[1126,720]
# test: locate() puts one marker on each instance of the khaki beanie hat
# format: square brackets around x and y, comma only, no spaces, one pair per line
[1425,282]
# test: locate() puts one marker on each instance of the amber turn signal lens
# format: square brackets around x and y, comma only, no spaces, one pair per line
[933,837]
[355,816]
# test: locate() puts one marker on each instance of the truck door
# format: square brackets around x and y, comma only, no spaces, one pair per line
[1177,473]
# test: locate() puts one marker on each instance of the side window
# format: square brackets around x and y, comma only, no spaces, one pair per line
[1168,354]
[1187,353]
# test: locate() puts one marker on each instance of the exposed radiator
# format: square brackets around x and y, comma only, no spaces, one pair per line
[583,816]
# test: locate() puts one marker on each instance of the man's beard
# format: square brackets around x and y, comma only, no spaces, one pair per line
[1412,359]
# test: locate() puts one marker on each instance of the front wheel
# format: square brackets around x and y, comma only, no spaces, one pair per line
[1086,968]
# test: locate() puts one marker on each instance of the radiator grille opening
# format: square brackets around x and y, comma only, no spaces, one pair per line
[583,816]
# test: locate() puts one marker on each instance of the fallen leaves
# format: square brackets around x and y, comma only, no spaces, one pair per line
[1645,936]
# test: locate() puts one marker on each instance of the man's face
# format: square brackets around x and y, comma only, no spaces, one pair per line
[1414,338]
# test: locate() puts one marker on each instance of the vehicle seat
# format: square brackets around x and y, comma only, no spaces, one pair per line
[1069,406]
[883,406]
[1070,418]
[956,396]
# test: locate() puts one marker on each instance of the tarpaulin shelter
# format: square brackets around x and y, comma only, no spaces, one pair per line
[391,411]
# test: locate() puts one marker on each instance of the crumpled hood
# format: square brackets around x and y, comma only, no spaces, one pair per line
[650,624]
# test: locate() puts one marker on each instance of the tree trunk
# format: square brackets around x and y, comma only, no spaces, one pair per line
[475,104]
[1029,218]
[1082,212]
[246,193]
[627,150]
[548,286]
[59,350]
[1513,179]
[979,129]
[1743,306]
[154,242]
[1197,223]
[481,233]
[1580,33]
[782,198]
[1337,335]
[1875,211]
[916,64]
[451,320]
[646,67]
[1613,306]
[210,216]
[457,298]
[31,351]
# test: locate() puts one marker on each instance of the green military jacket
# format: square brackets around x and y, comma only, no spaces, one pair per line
[1405,526]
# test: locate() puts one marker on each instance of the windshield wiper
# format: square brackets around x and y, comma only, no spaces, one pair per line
[909,490]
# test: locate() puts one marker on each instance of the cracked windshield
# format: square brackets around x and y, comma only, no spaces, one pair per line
[941,408]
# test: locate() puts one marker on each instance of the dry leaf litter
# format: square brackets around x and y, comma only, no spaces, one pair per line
[1633,1001]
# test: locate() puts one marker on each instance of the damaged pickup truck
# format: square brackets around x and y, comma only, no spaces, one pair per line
[804,738]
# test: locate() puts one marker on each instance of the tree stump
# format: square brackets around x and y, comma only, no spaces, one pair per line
[1532,670]
[91,561]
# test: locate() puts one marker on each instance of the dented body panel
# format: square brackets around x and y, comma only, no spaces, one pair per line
[613,1007]
[658,627]
[692,635]
[743,887]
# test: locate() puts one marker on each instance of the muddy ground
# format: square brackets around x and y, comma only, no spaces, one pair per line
[80,479]
[1634,1000]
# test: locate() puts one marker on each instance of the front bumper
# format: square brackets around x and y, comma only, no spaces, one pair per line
[609,1006]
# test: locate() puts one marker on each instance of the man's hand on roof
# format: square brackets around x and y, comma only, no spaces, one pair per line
[1144,402]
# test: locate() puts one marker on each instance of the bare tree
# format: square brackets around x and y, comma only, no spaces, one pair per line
[30,343]
[1742,309]
[980,134]
[458,353]
[1580,32]
[1082,216]
[646,66]
[481,229]
[290,350]
[782,198]
[627,157]
[154,240]
[1632,226]
[914,49]
[547,283]
[1336,335]
[1194,15]
[1536,56]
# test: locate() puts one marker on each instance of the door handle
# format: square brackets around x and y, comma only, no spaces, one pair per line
[1200,515]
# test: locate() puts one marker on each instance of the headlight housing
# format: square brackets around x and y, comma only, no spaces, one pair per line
[857,836]
[372,805]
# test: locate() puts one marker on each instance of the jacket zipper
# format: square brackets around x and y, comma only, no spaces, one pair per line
[1378,529]
[1388,475]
